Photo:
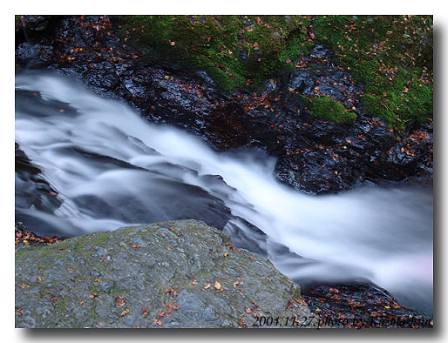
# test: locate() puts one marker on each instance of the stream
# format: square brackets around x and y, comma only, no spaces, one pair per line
[112,168]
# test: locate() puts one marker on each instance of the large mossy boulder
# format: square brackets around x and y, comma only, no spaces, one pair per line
[170,274]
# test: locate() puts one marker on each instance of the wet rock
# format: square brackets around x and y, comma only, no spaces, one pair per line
[34,23]
[32,190]
[34,55]
[318,75]
[302,82]
[228,127]
[412,155]
[361,305]
[178,274]
[320,52]
[316,171]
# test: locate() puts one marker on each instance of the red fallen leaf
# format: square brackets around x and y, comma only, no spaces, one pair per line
[145,312]
[27,237]
[157,322]
[418,136]
[407,150]
[120,301]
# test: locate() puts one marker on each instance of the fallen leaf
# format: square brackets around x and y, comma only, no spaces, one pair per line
[171,292]
[171,307]
[136,246]
[217,285]
[120,301]
[145,312]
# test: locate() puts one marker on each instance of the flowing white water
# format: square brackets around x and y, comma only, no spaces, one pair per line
[112,168]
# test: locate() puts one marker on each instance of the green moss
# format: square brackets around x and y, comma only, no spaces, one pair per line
[237,51]
[391,56]
[324,107]
[61,306]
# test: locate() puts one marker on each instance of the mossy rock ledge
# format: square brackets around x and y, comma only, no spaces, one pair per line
[171,274]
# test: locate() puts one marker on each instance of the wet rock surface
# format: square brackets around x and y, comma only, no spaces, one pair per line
[314,155]
[361,306]
[171,274]
[31,188]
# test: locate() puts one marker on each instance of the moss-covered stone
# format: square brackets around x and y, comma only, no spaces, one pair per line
[171,274]
[324,107]
[391,56]
[236,51]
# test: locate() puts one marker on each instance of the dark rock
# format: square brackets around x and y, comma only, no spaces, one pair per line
[319,76]
[316,171]
[32,190]
[320,52]
[361,305]
[34,55]
[34,23]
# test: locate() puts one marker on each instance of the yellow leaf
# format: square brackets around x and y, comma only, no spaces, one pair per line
[217,285]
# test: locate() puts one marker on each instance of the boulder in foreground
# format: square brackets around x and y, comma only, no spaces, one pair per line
[171,274]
